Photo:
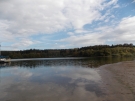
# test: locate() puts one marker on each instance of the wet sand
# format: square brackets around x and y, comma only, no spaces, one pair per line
[118,81]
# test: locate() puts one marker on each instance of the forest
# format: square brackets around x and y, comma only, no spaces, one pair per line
[120,50]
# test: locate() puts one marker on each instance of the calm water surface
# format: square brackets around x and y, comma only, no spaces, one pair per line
[53,79]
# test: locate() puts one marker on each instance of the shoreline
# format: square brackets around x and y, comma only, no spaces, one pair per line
[118,81]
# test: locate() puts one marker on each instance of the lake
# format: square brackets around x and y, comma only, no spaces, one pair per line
[53,79]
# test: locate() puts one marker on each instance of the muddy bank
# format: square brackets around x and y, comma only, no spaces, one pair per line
[118,81]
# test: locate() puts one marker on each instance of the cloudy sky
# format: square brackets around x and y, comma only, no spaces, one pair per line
[51,24]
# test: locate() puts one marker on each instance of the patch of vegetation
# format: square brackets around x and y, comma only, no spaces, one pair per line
[119,50]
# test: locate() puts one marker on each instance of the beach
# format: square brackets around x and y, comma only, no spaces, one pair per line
[118,81]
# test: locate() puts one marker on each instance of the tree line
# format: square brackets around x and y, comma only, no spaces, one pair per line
[88,51]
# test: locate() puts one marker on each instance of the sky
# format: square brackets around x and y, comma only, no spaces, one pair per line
[64,24]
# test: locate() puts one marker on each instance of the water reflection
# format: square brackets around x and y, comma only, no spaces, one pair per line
[85,62]
[52,80]
[5,64]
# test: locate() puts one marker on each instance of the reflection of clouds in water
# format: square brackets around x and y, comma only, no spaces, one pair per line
[87,74]
[55,83]
[4,84]
[15,71]
[11,76]
[48,92]
[69,93]
[86,82]
[21,73]
[80,94]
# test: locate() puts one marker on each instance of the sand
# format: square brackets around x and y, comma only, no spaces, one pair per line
[118,81]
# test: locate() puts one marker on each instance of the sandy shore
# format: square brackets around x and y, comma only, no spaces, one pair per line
[118,81]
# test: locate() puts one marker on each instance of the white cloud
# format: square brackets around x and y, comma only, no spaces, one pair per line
[4,34]
[81,31]
[24,18]
[112,2]
[23,43]
[70,33]
[123,32]
[83,40]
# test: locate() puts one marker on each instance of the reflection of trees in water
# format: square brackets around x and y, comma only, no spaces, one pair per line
[5,64]
[87,63]
[98,61]
[28,64]
[46,63]
[54,63]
